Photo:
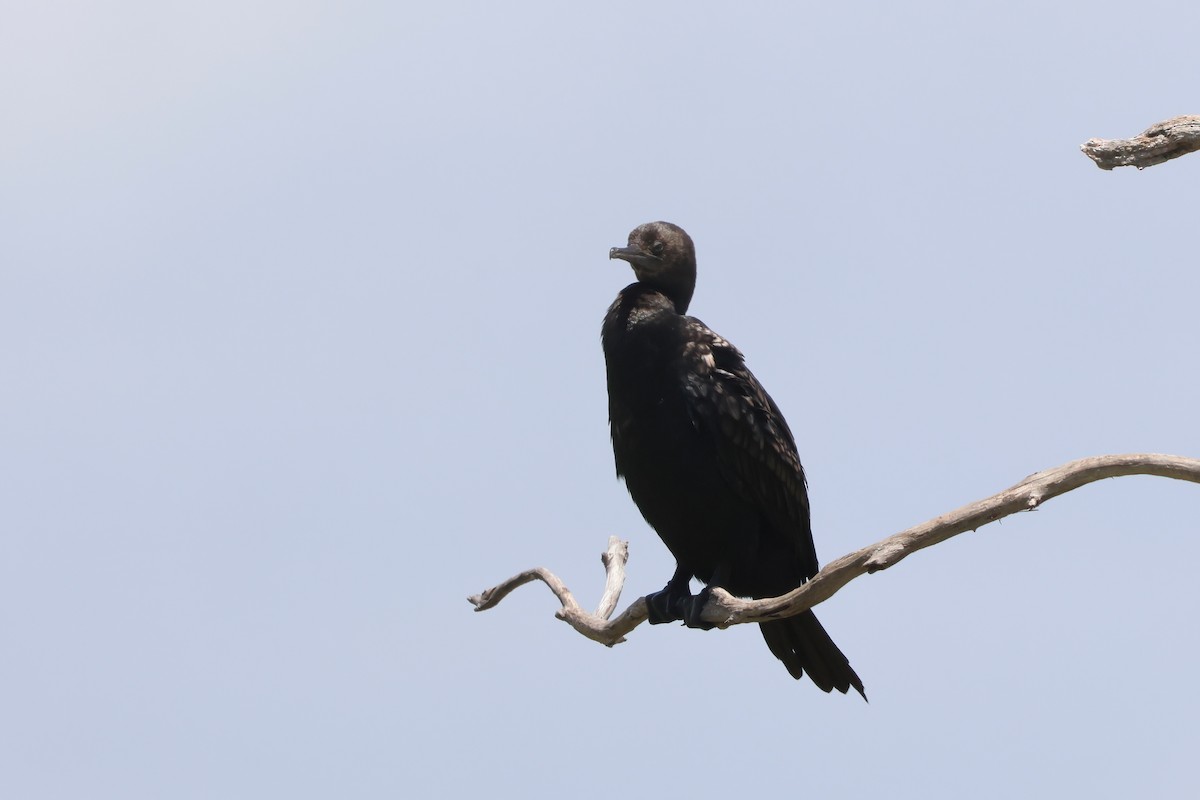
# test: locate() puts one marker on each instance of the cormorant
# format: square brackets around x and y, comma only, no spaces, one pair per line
[708,457]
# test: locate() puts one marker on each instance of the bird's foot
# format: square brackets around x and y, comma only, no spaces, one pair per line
[693,607]
[666,606]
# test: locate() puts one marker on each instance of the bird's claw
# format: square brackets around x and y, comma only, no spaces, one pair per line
[693,607]
[670,605]
[665,606]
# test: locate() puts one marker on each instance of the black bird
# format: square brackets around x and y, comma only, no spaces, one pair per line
[708,457]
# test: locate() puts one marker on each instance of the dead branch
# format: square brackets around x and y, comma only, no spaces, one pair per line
[590,625]
[614,560]
[1162,142]
[724,610]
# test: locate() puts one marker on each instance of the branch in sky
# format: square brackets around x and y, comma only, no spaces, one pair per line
[724,609]
[1170,139]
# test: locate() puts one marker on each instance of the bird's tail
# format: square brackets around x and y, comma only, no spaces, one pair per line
[803,646]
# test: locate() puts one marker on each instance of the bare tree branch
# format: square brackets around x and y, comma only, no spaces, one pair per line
[614,560]
[724,610]
[590,625]
[1170,139]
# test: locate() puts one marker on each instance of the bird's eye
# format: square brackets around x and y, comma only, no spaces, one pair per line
[657,248]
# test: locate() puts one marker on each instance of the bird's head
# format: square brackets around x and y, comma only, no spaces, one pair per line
[662,256]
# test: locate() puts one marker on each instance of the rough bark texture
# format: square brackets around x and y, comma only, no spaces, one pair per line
[1158,143]
[725,610]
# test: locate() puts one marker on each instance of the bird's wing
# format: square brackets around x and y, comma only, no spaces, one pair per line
[754,445]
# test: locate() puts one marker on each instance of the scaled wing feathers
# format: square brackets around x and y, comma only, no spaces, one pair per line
[754,446]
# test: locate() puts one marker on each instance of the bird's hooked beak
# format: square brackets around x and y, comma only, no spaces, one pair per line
[636,256]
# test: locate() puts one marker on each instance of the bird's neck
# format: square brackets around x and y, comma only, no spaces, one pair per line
[678,291]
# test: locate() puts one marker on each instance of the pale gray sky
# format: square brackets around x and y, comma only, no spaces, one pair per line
[300,307]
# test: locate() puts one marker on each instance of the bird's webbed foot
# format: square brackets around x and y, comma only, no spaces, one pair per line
[667,605]
[693,607]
